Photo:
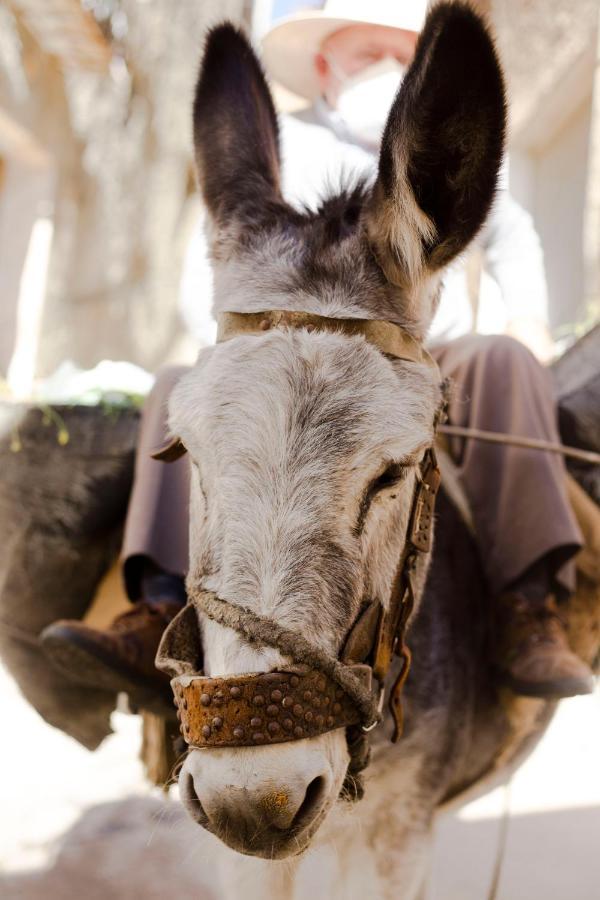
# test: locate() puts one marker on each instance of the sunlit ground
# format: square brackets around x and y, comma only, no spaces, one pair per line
[144,847]
[553,839]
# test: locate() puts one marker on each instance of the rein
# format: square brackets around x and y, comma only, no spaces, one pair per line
[318,692]
[515,440]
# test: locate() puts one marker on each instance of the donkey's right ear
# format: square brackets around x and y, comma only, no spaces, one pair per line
[236,137]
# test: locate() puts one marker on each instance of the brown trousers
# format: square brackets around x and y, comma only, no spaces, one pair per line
[518,497]
[157,522]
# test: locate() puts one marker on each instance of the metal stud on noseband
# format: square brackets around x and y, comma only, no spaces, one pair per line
[319,692]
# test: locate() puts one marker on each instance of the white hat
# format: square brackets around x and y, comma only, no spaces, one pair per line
[290,47]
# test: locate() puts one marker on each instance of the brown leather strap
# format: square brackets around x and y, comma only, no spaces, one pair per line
[421,525]
[266,708]
[418,540]
[386,336]
[391,637]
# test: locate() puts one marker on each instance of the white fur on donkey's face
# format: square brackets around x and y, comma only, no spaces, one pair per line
[286,431]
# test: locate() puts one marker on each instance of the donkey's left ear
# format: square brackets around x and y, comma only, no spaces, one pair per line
[441,149]
[170,452]
[236,137]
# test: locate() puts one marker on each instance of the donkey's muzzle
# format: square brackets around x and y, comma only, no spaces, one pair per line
[256,802]
[262,708]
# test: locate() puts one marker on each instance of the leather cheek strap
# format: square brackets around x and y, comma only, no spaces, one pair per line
[265,708]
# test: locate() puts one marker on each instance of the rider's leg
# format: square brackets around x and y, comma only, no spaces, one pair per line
[156,528]
[524,524]
[155,559]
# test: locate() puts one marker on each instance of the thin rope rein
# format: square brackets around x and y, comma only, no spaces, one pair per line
[266,632]
[514,440]
[502,842]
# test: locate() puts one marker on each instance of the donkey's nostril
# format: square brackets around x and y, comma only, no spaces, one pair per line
[190,798]
[312,800]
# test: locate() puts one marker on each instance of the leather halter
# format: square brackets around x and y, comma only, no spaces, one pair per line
[318,693]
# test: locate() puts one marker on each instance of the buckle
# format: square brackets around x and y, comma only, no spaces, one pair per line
[368,728]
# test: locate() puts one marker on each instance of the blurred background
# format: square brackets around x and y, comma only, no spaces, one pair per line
[97,198]
[101,259]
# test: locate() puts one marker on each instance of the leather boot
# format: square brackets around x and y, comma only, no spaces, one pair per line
[533,653]
[119,658]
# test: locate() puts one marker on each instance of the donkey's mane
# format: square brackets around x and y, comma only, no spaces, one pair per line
[314,259]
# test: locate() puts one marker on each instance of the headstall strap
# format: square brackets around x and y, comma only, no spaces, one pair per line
[328,693]
[389,338]
[391,636]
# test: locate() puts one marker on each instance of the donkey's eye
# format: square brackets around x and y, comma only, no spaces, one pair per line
[394,473]
[391,476]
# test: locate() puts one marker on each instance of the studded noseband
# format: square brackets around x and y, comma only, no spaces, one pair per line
[318,692]
[268,708]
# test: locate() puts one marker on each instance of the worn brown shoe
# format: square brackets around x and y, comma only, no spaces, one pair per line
[119,658]
[533,653]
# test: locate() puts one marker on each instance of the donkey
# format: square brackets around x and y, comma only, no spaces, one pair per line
[306,445]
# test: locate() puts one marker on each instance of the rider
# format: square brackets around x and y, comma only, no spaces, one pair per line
[349,66]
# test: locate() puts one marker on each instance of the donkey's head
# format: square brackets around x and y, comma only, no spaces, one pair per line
[305,444]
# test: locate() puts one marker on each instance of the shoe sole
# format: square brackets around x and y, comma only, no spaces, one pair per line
[560,689]
[86,664]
